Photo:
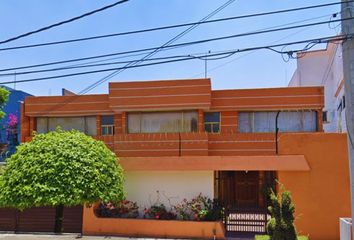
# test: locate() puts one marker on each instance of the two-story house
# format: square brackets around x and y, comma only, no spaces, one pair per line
[178,138]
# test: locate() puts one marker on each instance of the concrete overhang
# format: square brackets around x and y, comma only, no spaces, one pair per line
[216,163]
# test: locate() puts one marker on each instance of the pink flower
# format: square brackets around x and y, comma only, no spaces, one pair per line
[12,120]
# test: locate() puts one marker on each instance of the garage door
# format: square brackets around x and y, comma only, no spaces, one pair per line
[40,219]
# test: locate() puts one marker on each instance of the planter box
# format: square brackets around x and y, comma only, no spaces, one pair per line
[93,225]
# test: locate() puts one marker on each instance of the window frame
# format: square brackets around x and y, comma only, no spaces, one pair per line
[84,118]
[212,123]
[253,124]
[109,128]
[140,113]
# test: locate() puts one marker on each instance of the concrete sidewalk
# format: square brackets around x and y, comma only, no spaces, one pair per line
[6,236]
[40,236]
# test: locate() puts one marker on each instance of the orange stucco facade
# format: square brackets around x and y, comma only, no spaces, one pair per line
[93,225]
[321,195]
[313,165]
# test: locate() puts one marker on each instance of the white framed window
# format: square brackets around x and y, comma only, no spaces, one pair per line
[86,125]
[107,125]
[162,122]
[291,121]
[212,122]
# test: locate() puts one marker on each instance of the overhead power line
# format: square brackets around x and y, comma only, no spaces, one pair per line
[63,22]
[175,45]
[168,27]
[96,65]
[93,64]
[229,53]
[153,52]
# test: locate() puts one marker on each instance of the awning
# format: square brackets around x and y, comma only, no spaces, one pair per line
[222,163]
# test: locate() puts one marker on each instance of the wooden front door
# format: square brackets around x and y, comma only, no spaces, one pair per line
[247,189]
[239,189]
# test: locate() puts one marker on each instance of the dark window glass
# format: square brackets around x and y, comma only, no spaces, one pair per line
[107,120]
[212,122]
[207,128]
[212,117]
[107,125]
[325,116]
[216,128]
[343,100]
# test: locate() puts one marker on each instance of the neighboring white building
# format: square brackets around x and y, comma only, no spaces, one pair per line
[325,68]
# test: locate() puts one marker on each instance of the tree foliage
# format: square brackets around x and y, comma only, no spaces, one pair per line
[281,225]
[61,168]
[4,96]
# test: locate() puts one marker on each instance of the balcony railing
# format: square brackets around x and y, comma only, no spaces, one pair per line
[190,144]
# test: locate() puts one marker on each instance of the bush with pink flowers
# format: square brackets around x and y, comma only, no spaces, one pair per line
[159,211]
[122,209]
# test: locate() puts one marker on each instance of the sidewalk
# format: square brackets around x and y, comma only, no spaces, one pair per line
[5,236]
[39,236]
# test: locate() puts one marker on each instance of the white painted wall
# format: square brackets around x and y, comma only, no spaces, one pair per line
[345,225]
[142,186]
[324,68]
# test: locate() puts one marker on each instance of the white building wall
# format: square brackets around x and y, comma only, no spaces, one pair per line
[169,187]
[324,68]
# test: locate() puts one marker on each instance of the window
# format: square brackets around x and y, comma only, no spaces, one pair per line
[343,100]
[162,122]
[212,122]
[302,121]
[325,117]
[86,125]
[107,125]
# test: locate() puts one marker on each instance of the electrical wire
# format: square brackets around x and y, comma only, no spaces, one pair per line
[84,65]
[152,53]
[63,22]
[269,47]
[246,54]
[168,27]
[174,45]
[146,56]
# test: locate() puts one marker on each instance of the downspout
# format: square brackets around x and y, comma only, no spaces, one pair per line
[179,144]
[276,132]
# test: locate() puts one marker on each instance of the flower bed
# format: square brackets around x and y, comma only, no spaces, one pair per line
[197,218]
[200,208]
[93,225]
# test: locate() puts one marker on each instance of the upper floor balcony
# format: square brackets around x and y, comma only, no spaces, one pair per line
[190,144]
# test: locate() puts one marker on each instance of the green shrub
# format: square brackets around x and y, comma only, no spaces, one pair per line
[61,168]
[281,225]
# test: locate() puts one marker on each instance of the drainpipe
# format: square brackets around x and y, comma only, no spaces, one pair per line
[276,132]
[179,144]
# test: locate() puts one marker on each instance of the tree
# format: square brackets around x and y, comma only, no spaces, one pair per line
[281,225]
[61,168]
[4,96]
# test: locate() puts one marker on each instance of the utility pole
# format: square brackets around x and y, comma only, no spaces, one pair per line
[347,11]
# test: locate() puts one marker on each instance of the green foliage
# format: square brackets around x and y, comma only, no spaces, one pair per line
[200,208]
[281,225]
[61,168]
[4,96]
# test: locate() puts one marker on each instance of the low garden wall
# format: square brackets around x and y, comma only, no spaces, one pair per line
[93,225]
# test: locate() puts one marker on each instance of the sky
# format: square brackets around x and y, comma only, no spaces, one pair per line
[257,69]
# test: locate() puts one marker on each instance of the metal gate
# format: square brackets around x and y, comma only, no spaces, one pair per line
[40,219]
[243,222]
